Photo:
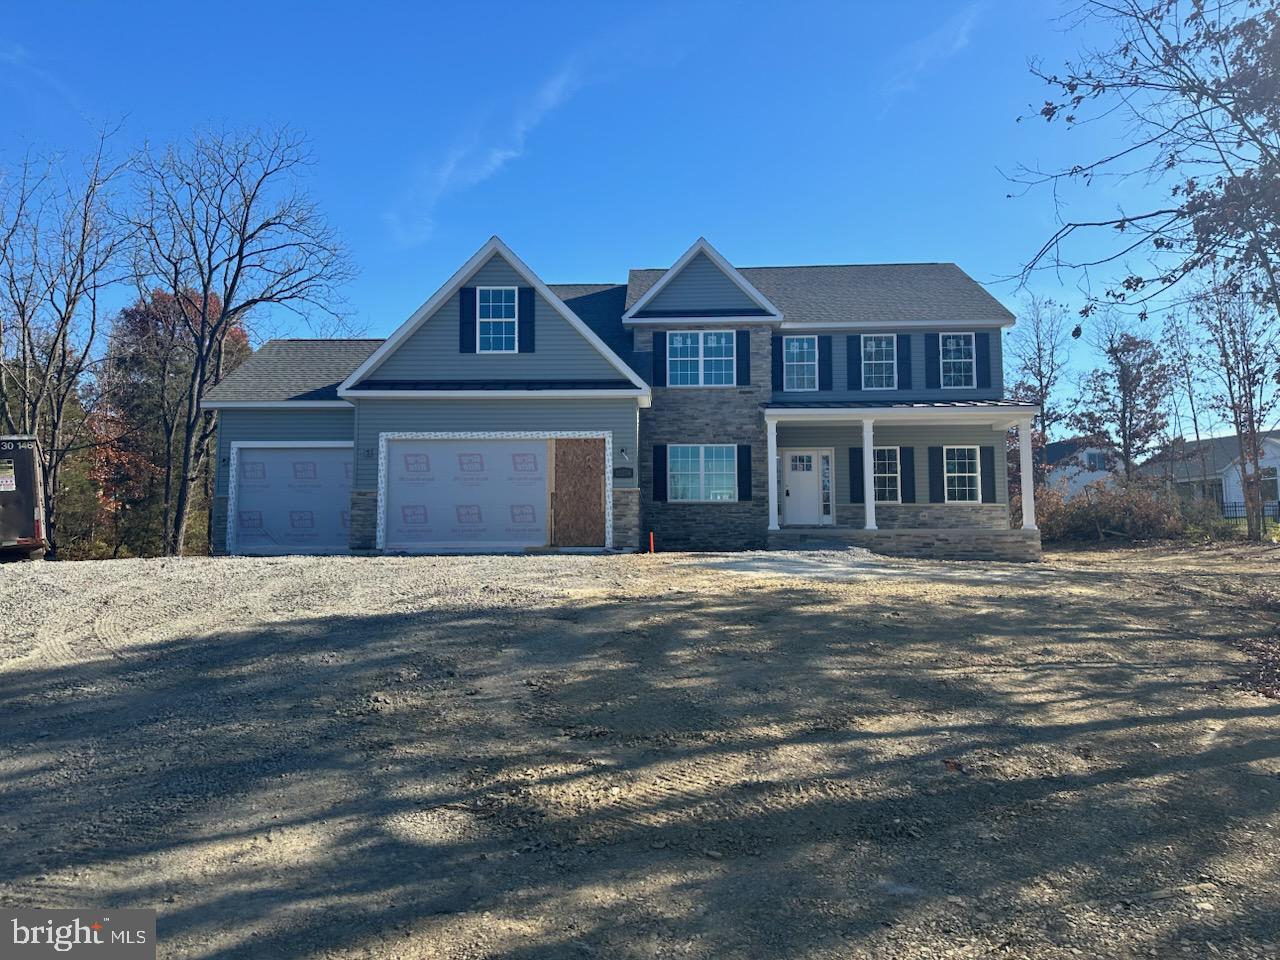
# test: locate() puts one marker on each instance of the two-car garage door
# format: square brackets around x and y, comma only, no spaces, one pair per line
[493,494]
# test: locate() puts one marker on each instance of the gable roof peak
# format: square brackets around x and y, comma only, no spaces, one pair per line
[704,246]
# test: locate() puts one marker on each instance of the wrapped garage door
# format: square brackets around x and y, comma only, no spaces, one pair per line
[465,495]
[291,499]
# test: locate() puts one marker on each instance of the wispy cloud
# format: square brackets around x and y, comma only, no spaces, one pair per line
[480,154]
[20,69]
[941,43]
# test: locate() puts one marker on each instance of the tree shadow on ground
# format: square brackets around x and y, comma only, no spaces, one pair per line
[770,772]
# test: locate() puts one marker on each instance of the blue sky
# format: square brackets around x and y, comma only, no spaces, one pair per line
[591,137]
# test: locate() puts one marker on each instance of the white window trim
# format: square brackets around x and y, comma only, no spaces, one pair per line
[514,321]
[700,385]
[973,339]
[702,471]
[897,479]
[977,463]
[812,389]
[862,359]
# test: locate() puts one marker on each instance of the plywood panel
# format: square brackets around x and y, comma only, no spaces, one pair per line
[578,499]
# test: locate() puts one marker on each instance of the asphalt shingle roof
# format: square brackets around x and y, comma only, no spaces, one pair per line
[862,293]
[294,370]
[1182,460]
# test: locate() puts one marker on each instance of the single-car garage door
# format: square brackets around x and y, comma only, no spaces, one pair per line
[290,498]
[490,494]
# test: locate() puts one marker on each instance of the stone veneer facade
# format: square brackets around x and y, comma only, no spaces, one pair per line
[708,415]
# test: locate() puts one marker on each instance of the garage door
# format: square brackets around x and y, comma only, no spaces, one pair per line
[466,494]
[291,499]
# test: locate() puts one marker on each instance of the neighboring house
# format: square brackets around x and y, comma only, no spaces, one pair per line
[1211,468]
[1073,464]
[715,408]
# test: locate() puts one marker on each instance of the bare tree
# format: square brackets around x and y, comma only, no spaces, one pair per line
[1241,358]
[225,228]
[1182,353]
[1193,84]
[59,249]
[1040,348]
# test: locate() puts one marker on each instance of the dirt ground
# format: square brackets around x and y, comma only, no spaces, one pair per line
[643,757]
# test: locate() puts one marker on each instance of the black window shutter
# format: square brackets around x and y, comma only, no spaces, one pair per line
[937,486]
[904,361]
[659,378]
[660,472]
[742,352]
[982,359]
[467,320]
[907,473]
[853,350]
[987,461]
[777,363]
[856,494]
[525,311]
[932,380]
[744,471]
[824,363]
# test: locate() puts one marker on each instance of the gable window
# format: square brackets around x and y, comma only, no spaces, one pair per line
[960,466]
[700,358]
[879,362]
[496,318]
[885,474]
[799,363]
[957,356]
[1095,460]
[702,472]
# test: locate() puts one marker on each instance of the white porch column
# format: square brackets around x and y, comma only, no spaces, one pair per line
[771,427]
[868,476]
[1026,469]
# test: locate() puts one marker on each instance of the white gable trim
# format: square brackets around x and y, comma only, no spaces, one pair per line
[702,246]
[453,284]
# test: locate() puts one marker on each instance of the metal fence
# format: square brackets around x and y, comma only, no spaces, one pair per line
[1234,511]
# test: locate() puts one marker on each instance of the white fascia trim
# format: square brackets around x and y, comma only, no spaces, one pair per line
[233,470]
[701,321]
[1002,417]
[645,397]
[605,435]
[701,245]
[451,286]
[274,405]
[880,326]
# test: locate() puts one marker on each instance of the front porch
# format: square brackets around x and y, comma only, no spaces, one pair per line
[909,479]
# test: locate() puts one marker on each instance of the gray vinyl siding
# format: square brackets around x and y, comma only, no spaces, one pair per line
[701,285]
[291,425]
[432,351]
[844,436]
[376,417]
[840,372]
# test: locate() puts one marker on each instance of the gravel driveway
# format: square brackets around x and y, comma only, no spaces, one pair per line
[641,757]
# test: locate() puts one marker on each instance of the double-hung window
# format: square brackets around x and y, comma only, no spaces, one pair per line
[496,319]
[1270,484]
[799,363]
[879,361]
[700,358]
[702,472]
[960,465]
[958,358]
[886,474]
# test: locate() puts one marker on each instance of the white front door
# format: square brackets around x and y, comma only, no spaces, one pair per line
[801,488]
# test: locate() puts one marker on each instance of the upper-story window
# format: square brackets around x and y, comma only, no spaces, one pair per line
[799,363]
[700,358]
[496,319]
[1095,460]
[958,358]
[879,362]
